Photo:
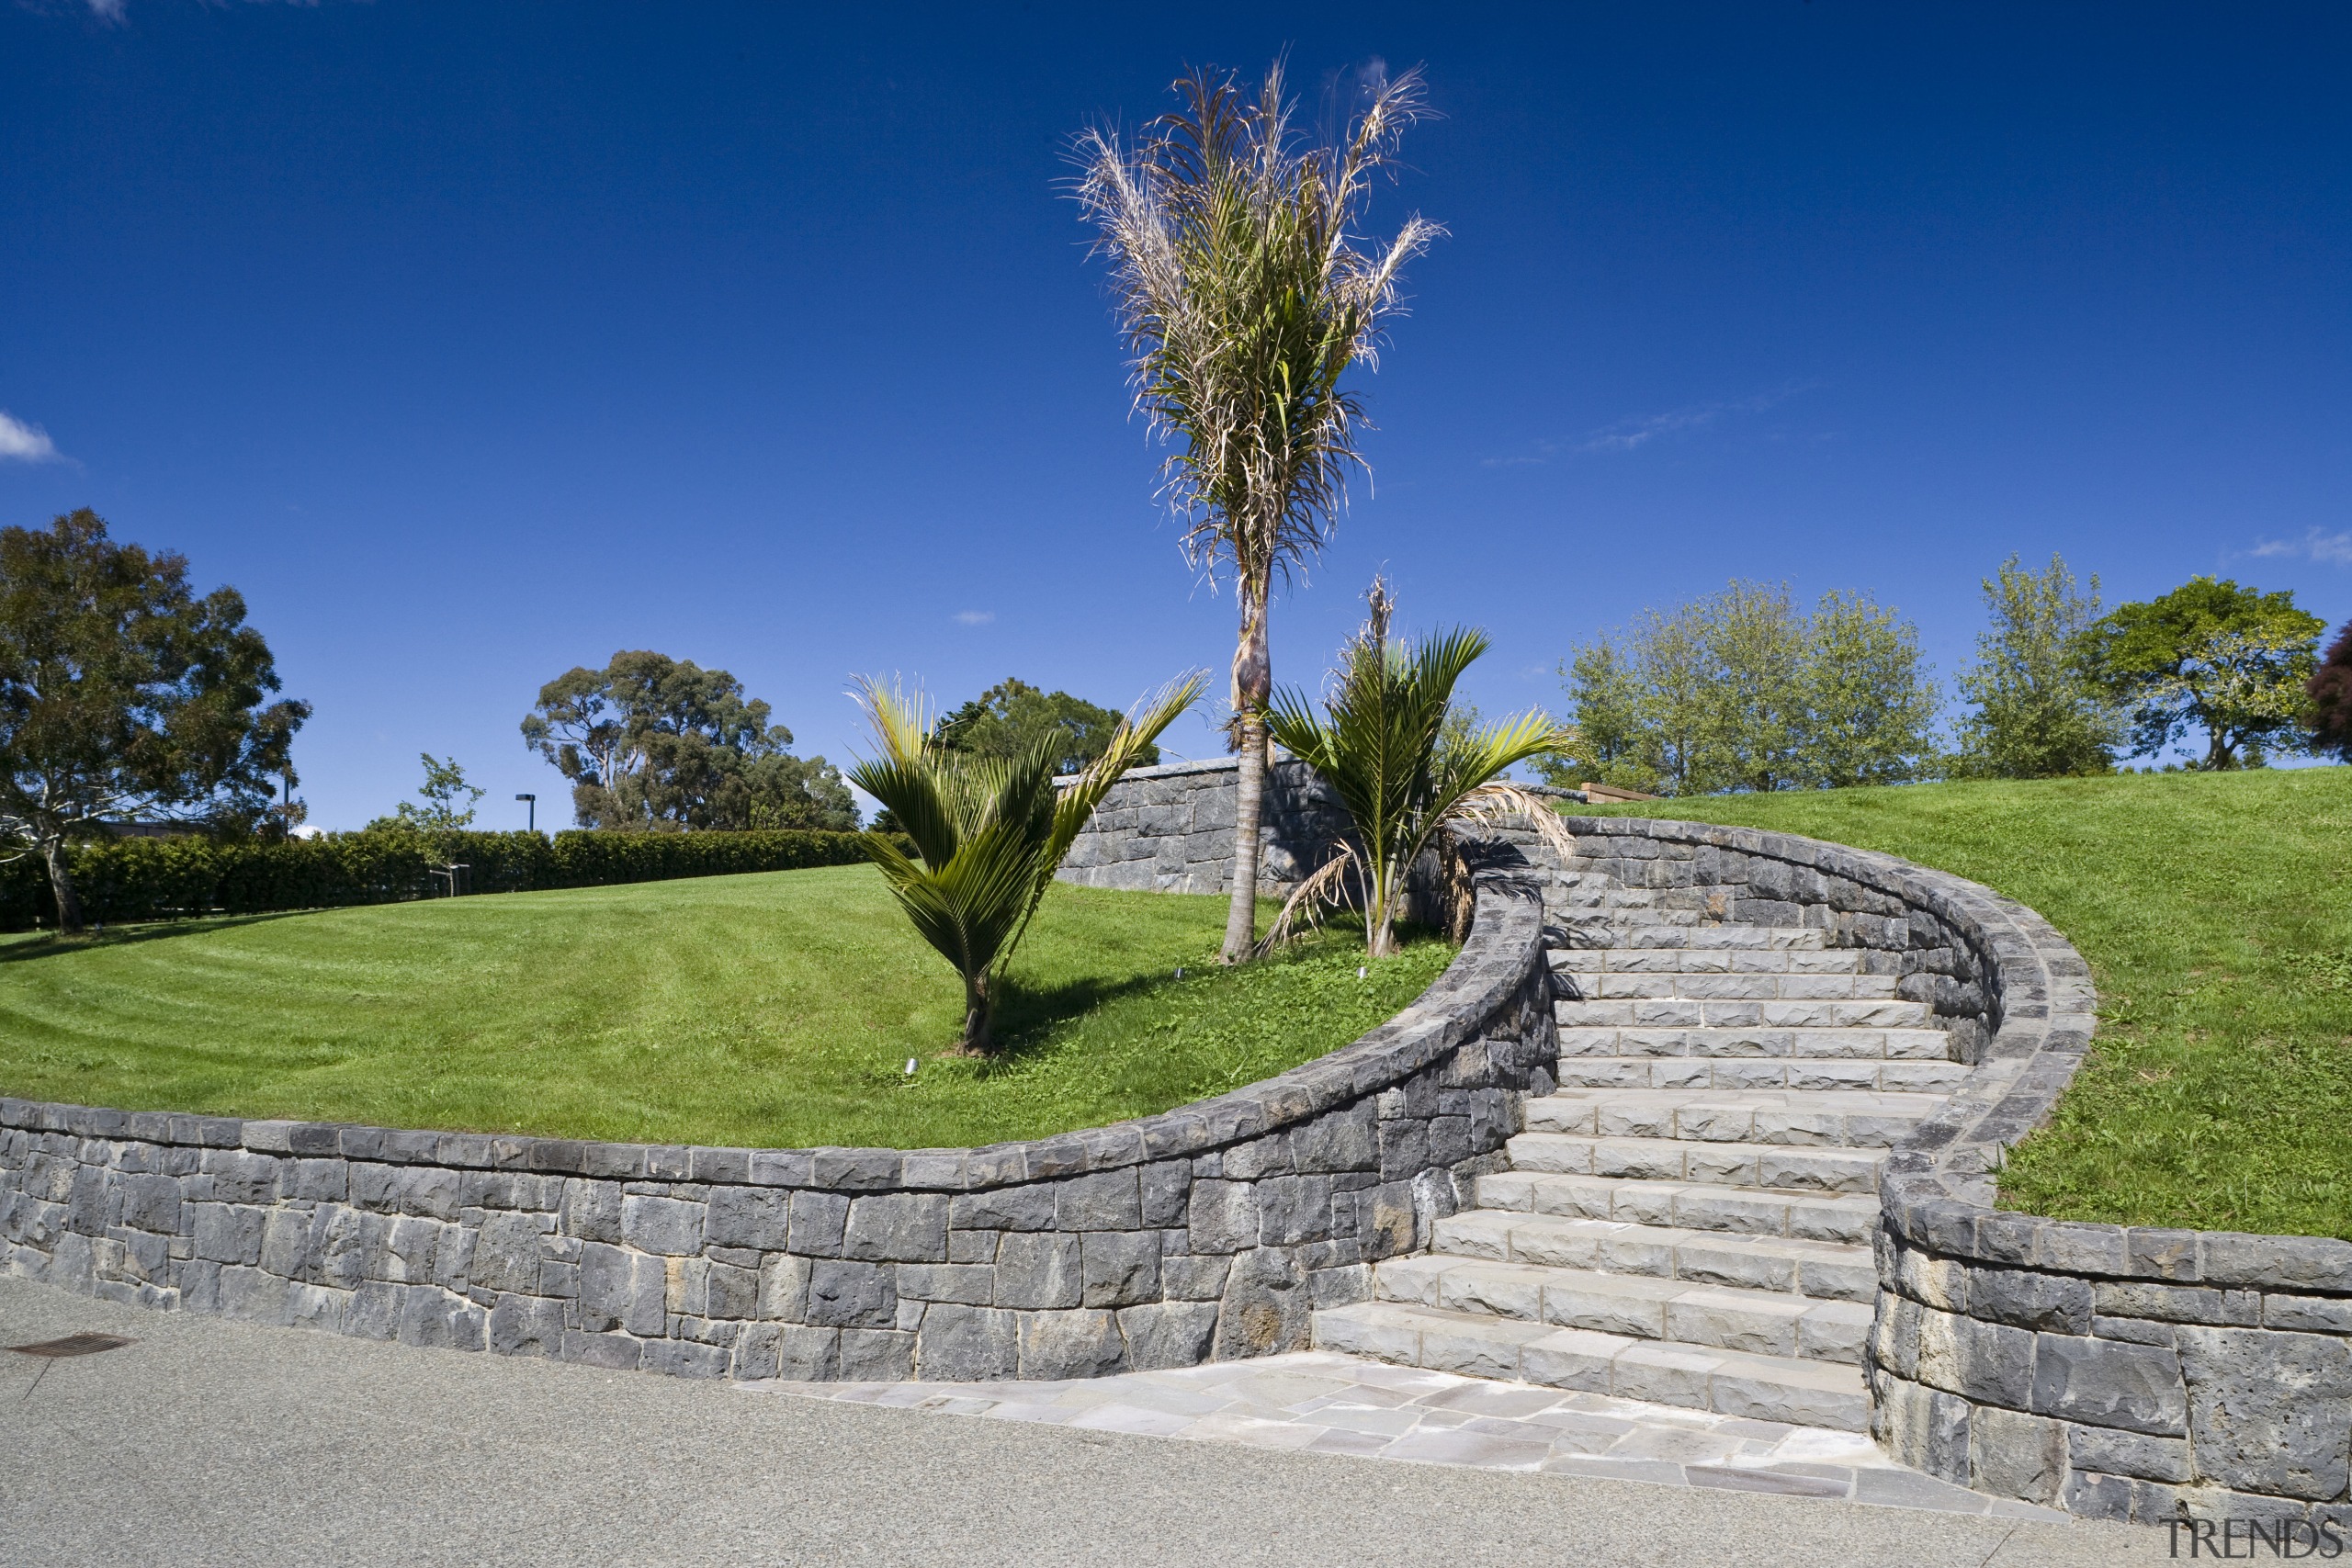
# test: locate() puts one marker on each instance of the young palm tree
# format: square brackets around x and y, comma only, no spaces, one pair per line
[1402,771]
[1243,300]
[988,830]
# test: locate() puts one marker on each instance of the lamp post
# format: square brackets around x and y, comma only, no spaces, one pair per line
[530,811]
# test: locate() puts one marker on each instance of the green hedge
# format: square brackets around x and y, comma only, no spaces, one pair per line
[153,879]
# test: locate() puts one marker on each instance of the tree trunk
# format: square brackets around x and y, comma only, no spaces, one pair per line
[61,883]
[976,1017]
[1253,681]
[1248,801]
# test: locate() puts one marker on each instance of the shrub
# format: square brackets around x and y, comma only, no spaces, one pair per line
[151,879]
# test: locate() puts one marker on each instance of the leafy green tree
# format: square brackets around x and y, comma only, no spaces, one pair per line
[988,831]
[654,742]
[1244,301]
[1866,701]
[1012,715]
[2212,656]
[124,695]
[2040,712]
[444,811]
[1382,746]
[1741,691]
[2330,690]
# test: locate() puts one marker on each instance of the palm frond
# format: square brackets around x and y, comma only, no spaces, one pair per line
[1326,889]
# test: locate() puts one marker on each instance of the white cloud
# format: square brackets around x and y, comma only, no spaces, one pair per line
[974,618]
[110,10]
[24,443]
[1631,435]
[2334,549]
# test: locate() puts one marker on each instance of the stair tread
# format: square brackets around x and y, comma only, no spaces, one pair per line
[1723,1208]
[1701,1377]
[1554,1229]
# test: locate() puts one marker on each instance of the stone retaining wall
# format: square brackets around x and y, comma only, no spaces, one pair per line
[2120,1373]
[1169,829]
[1209,1232]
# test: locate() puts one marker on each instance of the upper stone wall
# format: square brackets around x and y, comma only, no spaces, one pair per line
[1169,829]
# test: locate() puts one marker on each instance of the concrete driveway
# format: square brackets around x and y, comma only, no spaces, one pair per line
[207,1442]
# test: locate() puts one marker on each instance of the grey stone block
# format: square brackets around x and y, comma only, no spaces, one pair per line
[1166,1192]
[1168,1334]
[616,1351]
[807,1355]
[1119,1268]
[748,1216]
[1106,1201]
[846,1294]
[970,1284]
[876,1355]
[592,1210]
[2270,1412]
[783,1287]
[621,1290]
[731,1293]
[1038,1270]
[226,1232]
[1222,1216]
[2051,1302]
[967,1344]
[2133,1454]
[684,1358]
[2106,1382]
[527,1325]
[818,1220]
[1266,1308]
[1080,1344]
[1192,1278]
[898,1227]
[664,1225]
[2014,1455]
[1027,1208]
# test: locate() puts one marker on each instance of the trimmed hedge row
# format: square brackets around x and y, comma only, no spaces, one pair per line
[153,879]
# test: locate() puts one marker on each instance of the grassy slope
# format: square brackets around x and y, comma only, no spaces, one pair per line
[771,1010]
[2216,913]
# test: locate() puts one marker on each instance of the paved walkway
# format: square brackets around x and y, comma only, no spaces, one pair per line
[1339,1404]
[206,1442]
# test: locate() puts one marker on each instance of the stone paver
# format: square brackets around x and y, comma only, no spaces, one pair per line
[1320,1403]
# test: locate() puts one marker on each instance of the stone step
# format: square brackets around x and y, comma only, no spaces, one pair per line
[1728,988]
[1640,1306]
[1675,934]
[1745,1210]
[1791,1167]
[1893,1044]
[1727,1383]
[1824,1270]
[1760,1072]
[1712,960]
[1689,1014]
[1812,1118]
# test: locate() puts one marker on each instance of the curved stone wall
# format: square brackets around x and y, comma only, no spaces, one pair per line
[1208,1231]
[2121,1372]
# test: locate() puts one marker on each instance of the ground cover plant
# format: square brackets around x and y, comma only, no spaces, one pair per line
[2215,911]
[774,1010]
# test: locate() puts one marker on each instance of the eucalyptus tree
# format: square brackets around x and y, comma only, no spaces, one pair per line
[1244,298]
[989,830]
[124,694]
[1385,747]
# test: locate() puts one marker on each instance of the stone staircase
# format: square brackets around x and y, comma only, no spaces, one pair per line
[1688,1218]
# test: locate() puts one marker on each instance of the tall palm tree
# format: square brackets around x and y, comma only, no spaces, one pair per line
[1243,299]
[988,830]
[1402,770]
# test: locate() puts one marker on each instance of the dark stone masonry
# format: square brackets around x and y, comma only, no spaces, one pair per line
[1209,1232]
[1169,829]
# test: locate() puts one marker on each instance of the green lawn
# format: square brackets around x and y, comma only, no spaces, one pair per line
[774,1010]
[2216,913]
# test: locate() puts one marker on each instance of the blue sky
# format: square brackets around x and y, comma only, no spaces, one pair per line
[472,342]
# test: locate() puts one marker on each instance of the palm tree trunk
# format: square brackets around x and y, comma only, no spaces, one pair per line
[976,1017]
[1253,680]
[61,883]
[1248,802]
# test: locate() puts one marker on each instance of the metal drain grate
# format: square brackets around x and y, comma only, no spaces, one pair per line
[71,1345]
